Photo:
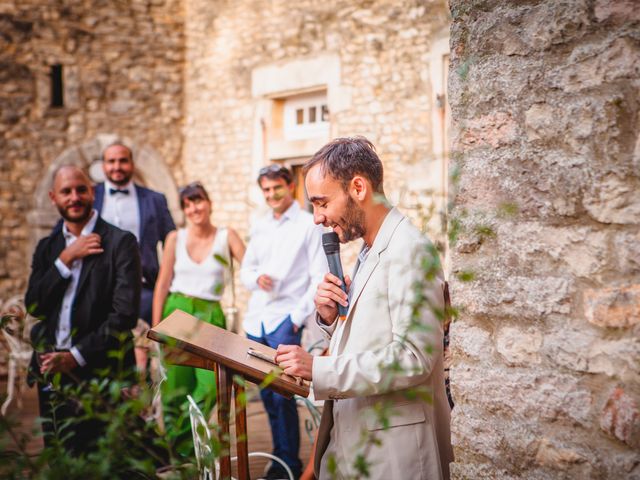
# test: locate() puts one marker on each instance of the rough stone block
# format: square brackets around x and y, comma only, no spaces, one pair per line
[626,246]
[621,418]
[613,199]
[564,71]
[541,121]
[494,130]
[500,295]
[471,341]
[620,11]
[615,307]
[557,457]
[519,346]
[534,397]
[555,180]
[585,350]
[592,65]
[582,251]
[472,435]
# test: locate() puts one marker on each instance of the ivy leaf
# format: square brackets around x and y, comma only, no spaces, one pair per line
[466,276]
[221,259]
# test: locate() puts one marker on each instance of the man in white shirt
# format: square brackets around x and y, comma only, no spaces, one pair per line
[138,210]
[283,263]
[85,289]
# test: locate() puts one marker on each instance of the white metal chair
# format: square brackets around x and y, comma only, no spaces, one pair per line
[310,424]
[16,325]
[202,442]
[208,468]
[158,376]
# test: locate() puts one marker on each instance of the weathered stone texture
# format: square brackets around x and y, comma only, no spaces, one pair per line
[621,418]
[613,307]
[382,66]
[174,76]
[122,75]
[382,48]
[546,353]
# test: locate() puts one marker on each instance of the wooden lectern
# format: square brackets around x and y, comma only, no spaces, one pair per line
[194,343]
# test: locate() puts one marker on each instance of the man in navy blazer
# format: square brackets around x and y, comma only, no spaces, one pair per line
[138,210]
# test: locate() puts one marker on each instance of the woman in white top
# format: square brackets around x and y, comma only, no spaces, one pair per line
[194,266]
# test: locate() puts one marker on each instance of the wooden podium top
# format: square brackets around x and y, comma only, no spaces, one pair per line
[204,342]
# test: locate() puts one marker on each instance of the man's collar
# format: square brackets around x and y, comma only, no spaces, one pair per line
[364,251]
[86,230]
[129,186]
[290,213]
[388,226]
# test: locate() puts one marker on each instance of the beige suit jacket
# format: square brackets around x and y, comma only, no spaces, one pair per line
[378,356]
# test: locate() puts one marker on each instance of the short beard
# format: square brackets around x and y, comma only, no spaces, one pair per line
[81,219]
[353,221]
[121,183]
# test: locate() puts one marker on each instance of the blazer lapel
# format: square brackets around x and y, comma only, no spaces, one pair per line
[98,201]
[58,243]
[144,210]
[364,271]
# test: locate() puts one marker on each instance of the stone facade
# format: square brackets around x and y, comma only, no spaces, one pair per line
[245,56]
[184,82]
[122,72]
[546,352]
[382,88]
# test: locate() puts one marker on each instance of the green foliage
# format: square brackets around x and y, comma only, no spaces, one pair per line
[361,465]
[223,261]
[129,446]
[332,465]
[455,227]
[466,276]
[271,377]
[484,231]
[508,210]
[463,69]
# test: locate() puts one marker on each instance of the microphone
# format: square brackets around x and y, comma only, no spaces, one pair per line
[331,246]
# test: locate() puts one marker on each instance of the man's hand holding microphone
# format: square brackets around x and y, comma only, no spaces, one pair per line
[330,296]
[331,302]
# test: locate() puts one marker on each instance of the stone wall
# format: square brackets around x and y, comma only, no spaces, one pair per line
[383,48]
[174,78]
[385,90]
[123,77]
[546,375]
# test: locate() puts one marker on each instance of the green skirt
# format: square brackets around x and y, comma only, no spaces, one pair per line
[183,381]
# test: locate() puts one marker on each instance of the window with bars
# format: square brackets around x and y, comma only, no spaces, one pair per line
[306,116]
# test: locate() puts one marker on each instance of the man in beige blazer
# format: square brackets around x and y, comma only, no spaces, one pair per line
[383,381]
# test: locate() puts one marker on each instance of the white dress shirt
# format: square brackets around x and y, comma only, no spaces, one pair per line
[121,209]
[63,329]
[289,250]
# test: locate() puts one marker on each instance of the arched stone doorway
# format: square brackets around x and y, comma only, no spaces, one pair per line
[151,171]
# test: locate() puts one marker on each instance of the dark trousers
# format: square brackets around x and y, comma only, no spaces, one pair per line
[146,302]
[282,412]
[56,410]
